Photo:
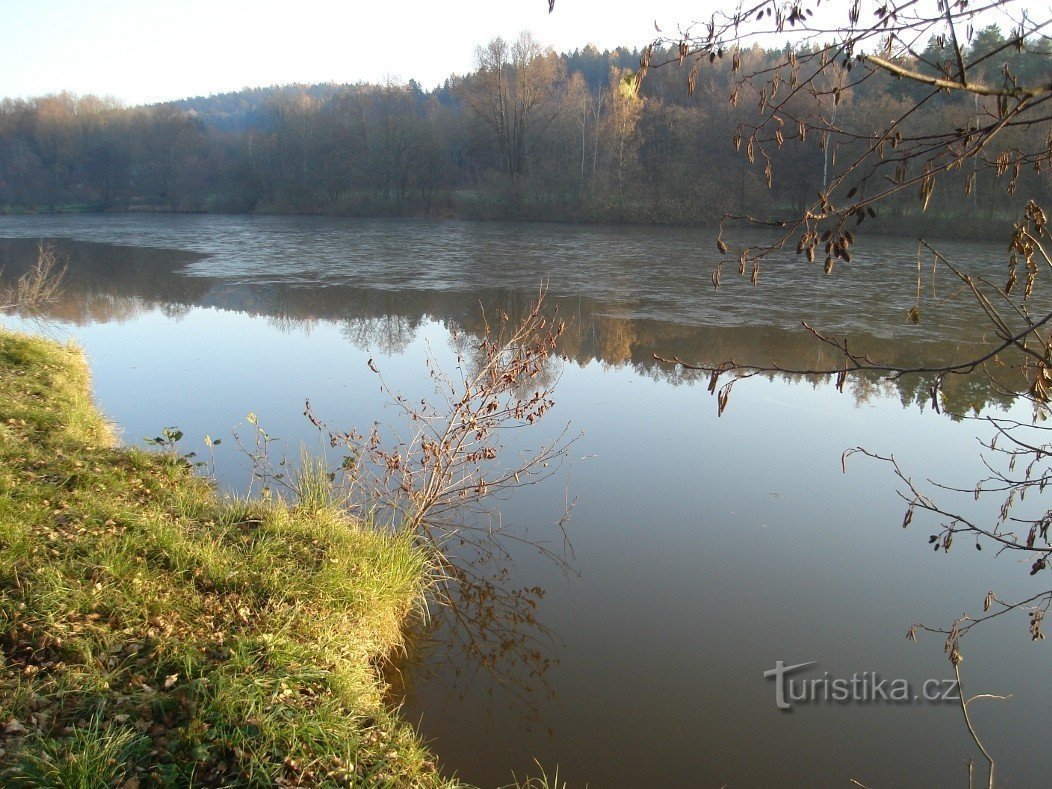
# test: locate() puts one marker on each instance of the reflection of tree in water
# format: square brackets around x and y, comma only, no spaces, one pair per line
[504,306]
[615,336]
[467,346]
[487,636]
[286,324]
[175,312]
[390,334]
[86,308]
[106,283]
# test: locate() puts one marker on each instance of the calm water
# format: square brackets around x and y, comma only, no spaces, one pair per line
[705,548]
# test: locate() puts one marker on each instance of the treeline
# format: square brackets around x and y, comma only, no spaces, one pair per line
[529,134]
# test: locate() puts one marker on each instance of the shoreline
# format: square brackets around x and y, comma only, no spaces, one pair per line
[974,228]
[157,632]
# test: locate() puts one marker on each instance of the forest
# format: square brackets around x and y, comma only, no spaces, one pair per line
[530,134]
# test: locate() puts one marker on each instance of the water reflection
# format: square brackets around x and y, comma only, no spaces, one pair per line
[114,283]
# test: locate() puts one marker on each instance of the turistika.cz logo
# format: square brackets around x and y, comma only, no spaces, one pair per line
[862,687]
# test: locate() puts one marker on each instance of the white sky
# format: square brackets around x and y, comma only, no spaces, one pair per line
[143,50]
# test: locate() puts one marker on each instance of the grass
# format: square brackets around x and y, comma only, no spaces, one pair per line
[153,634]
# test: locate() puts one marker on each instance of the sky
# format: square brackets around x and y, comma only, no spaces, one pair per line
[142,51]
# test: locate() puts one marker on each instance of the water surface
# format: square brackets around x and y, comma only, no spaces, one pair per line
[706,548]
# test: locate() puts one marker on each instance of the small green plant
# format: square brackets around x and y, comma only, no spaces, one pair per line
[542,781]
[169,438]
[212,443]
[267,471]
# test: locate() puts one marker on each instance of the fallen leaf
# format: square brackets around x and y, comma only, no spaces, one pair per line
[13,726]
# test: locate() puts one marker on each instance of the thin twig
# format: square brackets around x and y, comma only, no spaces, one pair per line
[968,720]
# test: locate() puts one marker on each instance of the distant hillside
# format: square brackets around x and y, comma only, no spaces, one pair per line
[240,110]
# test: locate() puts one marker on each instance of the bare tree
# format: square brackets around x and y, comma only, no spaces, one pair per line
[513,94]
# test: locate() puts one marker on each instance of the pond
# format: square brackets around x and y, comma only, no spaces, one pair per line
[705,548]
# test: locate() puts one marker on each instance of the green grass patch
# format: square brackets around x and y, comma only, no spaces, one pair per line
[154,634]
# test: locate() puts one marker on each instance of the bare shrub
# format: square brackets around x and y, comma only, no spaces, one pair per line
[441,481]
[37,287]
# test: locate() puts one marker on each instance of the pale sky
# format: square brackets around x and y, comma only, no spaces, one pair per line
[143,50]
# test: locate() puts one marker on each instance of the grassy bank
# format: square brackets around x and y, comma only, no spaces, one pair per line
[154,634]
